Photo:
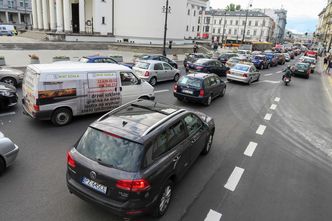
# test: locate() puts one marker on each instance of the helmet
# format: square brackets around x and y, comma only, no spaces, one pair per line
[288,66]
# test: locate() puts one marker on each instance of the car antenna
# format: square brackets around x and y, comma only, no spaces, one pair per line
[124,123]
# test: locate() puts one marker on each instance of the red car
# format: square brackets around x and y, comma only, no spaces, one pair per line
[312,54]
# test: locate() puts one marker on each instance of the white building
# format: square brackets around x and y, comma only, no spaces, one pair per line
[230,26]
[16,12]
[135,21]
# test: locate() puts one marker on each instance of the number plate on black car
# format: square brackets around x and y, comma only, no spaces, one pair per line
[94,185]
[187,91]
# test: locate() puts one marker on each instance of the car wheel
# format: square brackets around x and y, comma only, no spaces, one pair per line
[258,77]
[153,81]
[261,67]
[209,100]
[176,77]
[223,92]
[249,81]
[9,80]
[164,199]
[208,145]
[62,116]
[2,165]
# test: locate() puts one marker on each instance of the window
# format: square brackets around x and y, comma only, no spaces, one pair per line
[235,31]
[128,78]
[167,67]
[177,134]
[263,23]
[199,20]
[243,22]
[197,28]
[255,33]
[256,23]
[194,13]
[188,11]
[187,28]
[158,66]
[215,21]
[193,124]
[248,32]
[230,31]
[193,28]
[231,22]
[208,20]
[213,81]
[214,30]
[249,23]
[241,31]
[236,22]
[21,3]
[207,28]
[164,59]
[220,22]
[218,80]
[103,20]
[219,29]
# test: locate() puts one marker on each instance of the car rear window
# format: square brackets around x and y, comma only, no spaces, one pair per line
[143,65]
[110,150]
[302,66]
[240,68]
[145,57]
[190,81]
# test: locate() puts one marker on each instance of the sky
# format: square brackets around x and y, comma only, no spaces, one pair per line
[302,15]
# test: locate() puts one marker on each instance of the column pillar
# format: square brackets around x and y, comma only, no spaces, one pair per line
[66,18]
[34,15]
[7,17]
[52,15]
[82,15]
[39,15]
[59,16]
[19,18]
[45,15]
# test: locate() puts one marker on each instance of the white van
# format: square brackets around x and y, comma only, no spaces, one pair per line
[59,91]
[8,30]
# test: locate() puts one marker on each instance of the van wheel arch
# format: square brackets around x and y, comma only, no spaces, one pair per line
[62,116]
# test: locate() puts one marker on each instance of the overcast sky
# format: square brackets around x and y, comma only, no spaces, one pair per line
[302,15]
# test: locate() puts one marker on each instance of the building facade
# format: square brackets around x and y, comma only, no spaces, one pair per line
[232,26]
[16,12]
[130,21]
[324,27]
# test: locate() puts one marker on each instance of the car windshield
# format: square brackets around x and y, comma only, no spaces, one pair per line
[84,60]
[190,81]
[234,60]
[201,61]
[110,150]
[142,65]
[308,60]
[258,58]
[200,56]
[240,68]
[301,66]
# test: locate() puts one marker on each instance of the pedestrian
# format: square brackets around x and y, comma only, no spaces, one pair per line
[195,48]
[329,66]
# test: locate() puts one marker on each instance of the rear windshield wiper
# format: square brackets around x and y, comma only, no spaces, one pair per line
[104,164]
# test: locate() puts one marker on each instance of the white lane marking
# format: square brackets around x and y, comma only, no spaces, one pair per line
[268,74]
[250,149]
[261,129]
[268,81]
[161,91]
[234,179]
[277,99]
[7,114]
[273,107]
[278,72]
[213,216]
[268,117]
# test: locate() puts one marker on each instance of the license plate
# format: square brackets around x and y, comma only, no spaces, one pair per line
[94,185]
[301,70]
[187,91]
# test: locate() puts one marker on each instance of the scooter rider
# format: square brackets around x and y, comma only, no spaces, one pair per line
[288,72]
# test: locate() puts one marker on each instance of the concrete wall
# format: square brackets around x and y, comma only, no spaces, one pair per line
[103,9]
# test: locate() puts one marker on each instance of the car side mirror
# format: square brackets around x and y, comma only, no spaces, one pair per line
[139,81]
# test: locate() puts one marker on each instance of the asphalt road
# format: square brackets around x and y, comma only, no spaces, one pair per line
[286,176]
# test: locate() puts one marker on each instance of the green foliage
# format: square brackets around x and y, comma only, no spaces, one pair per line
[232,7]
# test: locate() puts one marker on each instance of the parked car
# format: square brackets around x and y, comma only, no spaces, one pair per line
[309,60]
[130,159]
[281,58]
[6,33]
[261,62]
[246,73]
[273,59]
[287,57]
[191,58]
[199,87]
[209,66]
[291,54]
[103,59]
[159,58]
[223,58]
[235,60]
[11,76]
[8,152]
[244,53]
[311,53]
[302,70]
[8,96]
[156,71]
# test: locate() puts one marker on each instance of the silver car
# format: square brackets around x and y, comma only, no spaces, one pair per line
[8,152]
[246,73]
[156,71]
[11,76]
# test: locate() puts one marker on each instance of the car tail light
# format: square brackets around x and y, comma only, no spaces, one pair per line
[147,74]
[245,75]
[36,107]
[201,93]
[133,185]
[175,89]
[70,160]
[199,67]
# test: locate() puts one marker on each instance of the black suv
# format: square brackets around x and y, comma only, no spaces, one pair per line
[129,160]
[8,96]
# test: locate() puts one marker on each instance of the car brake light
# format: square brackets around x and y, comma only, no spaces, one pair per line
[70,160]
[245,75]
[175,88]
[147,74]
[201,93]
[133,185]
[36,107]
[199,67]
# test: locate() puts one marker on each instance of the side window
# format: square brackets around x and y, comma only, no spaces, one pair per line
[164,59]
[158,66]
[167,67]
[107,60]
[161,144]
[218,80]
[213,81]
[193,124]
[254,69]
[128,78]
[207,82]
[177,134]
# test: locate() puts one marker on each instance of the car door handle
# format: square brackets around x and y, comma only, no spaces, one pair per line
[175,159]
[194,140]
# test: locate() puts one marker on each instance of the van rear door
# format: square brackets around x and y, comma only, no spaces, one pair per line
[30,91]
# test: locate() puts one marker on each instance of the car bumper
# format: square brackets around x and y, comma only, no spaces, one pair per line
[40,115]
[191,98]
[238,78]
[11,156]
[12,101]
[123,209]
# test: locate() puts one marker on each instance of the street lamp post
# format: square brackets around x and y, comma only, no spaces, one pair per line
[24,16]
[223,31]
[245,23]
[166,10]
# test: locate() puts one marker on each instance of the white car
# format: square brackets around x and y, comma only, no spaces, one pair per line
[246,73]
[11,76]
[8,152]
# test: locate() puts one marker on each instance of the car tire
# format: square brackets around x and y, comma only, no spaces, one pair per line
[164,200]
[10,81]
[176,77]
[261,67]
[249,82]
[62,116]
[222,93]
[153,81]
[208,145]
[258,77]
[209,101]
[2,165]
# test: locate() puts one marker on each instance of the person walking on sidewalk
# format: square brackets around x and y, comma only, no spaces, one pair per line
[195,48]
[329,66]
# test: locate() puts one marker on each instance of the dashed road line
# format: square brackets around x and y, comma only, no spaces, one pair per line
[250,149]
[234,179]
[268,74]
[268,117]
[277,99]
[278,72]
[213,216]
[7,114]
[273,107]
[161,91]
[261,129]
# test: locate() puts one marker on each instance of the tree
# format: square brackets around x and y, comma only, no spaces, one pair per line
[232,7]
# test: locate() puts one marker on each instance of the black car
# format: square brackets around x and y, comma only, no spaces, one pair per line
[159,58]
[8,96]
[199,87]
[224,57]
[191,58]
[129,160]
[209,66]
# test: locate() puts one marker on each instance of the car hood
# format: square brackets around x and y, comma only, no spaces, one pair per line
[7,87]
[10,71]
[1,135]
